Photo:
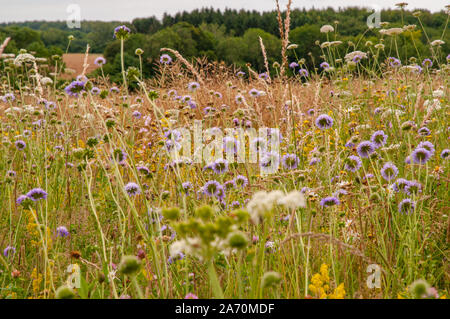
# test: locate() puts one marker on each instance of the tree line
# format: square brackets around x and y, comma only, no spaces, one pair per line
[230,35]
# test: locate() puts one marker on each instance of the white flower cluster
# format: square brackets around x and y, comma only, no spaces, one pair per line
[326,28]
[350,56]
[263,202]
[24,58]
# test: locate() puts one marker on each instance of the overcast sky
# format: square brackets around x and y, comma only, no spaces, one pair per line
[126,10]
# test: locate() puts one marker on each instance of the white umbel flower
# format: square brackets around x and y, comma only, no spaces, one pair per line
[326,28]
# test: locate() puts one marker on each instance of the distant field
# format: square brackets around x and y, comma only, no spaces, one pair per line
[75,62]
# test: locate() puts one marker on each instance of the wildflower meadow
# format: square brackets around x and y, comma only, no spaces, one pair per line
[316,179]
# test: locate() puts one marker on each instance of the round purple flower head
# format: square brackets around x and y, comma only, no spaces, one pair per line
[400,185]
[193,86]
[424,131]
[353,163]
[329,201]
[121,32]
[428,146]
[254,93]
[445,154]
[427,63]
[186,187]
[303,72]
[36,194]
[324,65]
[413,187]
[9,251]
[389,171]
[420,155]
[293,65]
[365,148]
[220,166]
[290,161]
[62,231]
[100,61]
[75,88]
[378,138]
[212,188]
[20,199]
[8,97]
[20,145]
[324,122]
[165,59]
[132,189]
[241,181]
[406,206]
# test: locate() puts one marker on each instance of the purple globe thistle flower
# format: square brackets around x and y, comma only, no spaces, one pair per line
[229,184]
[220,166]
[352,163]
[290,161]
[254,93]
[121,32]
[165,59]
[220,195]
[62,231]
[230,145]
[75,88]
[186,98]
[236,122]
[340,192]
[264,76]
[365,148]
[400,185]
[293,65]
[420,155]
[212,188]
[218,95]
[193,86]
[413,187]
[114,89]
[119,156]
[240,74]
[324,122]
[192,104]
[186,187]
[424,131]
[9,251]
[428,146]
[26,133]
[314,161]
[50,105]
[394,62]
[21,198]
[269,161]
[100,61]
[132,189]
[427,63]
[95,90]
[329,201]
[357,58]
[248,124]
[20,145]
[239,99]
[406,206]
[311,112]
[143,170]
[445,154]
[235,204]
[378,138]
[136,114]
[303,72]
[389,171]
[36,194]
[305,190]
[324,65]
[241,181]
[8,97]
